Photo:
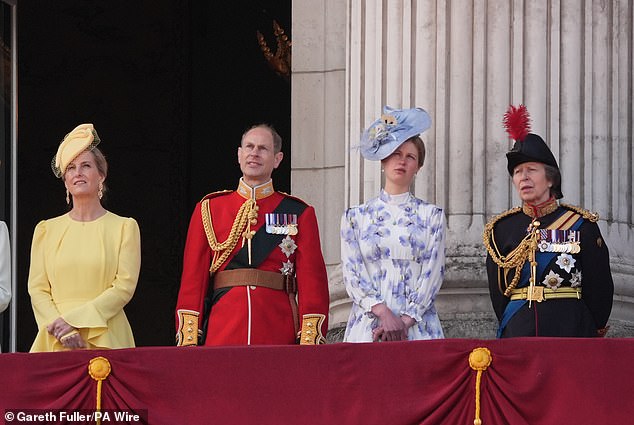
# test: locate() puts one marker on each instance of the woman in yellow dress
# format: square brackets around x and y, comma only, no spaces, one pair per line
[85,263]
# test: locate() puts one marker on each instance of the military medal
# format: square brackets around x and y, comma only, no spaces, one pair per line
[281,224]
[555,240]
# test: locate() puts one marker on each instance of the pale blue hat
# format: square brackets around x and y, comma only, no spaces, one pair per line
[390,131]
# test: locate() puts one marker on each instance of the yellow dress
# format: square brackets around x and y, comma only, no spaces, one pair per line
[85,272]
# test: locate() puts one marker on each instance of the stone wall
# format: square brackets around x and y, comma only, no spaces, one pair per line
[465,62]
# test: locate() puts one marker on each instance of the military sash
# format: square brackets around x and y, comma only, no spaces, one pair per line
[262,244]
[567,224]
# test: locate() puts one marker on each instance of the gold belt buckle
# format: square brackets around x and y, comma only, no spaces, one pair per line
[535,293]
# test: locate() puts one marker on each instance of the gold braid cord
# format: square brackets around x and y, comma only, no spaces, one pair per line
[99,369]
[479,360]
[590,216]
[516,258]
[247,215]
[525,250]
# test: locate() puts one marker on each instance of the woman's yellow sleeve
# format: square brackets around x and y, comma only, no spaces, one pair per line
[39,285]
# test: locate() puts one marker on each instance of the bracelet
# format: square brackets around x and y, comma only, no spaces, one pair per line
[68,335]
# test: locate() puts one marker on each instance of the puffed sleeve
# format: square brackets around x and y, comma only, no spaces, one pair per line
[359,285]
[5,267]
[96,313]
[433,270]
[39,285]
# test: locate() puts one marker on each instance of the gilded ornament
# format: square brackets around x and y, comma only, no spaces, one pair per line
[480,358]
[99,368]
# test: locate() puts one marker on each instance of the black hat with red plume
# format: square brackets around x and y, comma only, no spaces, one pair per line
[528,147]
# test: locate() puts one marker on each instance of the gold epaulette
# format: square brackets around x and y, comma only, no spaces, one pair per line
[588,215]
[188,332]
[215,194]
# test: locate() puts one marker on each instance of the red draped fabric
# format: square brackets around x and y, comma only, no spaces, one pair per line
[529,381]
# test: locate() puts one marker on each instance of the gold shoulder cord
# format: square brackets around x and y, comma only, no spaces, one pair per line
[525,250]
[241,227]
[516,258]
[590,216]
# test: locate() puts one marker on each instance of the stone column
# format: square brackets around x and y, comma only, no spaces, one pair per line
[318,125]
[465,61]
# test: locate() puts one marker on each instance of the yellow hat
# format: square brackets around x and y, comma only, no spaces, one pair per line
[83,137]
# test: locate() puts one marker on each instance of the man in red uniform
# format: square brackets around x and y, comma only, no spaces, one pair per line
[253,271]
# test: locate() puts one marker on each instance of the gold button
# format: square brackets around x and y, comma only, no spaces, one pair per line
[189,338]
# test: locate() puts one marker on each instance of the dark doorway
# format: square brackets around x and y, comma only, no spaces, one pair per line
[170,86]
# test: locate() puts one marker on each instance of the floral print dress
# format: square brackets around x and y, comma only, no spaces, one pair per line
[393,252]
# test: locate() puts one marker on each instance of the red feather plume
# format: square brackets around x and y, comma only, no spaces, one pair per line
[517,122]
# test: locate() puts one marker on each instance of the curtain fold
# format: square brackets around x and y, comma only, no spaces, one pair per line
[529,381]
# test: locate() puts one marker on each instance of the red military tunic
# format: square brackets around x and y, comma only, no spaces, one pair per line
[251,314]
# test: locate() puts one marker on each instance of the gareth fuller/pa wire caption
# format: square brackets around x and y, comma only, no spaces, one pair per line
[74,416]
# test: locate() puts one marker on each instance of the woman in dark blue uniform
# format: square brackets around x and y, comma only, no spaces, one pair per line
[547,264]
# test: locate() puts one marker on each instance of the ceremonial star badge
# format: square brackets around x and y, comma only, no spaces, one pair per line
[288,246]
[575,280]
[566,262]
[287,268]
[552,280]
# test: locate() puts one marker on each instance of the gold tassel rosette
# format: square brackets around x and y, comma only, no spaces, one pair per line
[99,369]
[479,360]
